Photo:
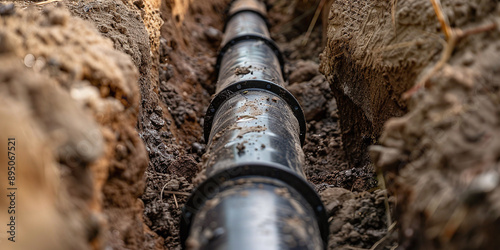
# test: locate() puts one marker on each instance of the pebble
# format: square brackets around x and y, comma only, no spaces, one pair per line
[197,148]
[213,34]
[157,120]
[7,9]
[348,172]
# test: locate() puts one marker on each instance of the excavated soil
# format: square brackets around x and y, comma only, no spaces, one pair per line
[440,159]
[111,96]
[188,50]
[78,97]
[186,83]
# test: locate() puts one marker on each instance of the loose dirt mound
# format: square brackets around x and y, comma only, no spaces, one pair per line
[81,103]
[80,99]
[441,159]
[48,127]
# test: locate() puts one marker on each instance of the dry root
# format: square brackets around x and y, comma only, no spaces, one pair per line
[453,35]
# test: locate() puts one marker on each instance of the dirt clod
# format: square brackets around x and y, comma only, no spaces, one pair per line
[110,98]
[80,97]
[242,70]
[7,9]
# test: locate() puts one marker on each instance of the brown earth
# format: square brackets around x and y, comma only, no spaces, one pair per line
[101,88]
[440,160]
[83,79]
[78,97]
[357,217]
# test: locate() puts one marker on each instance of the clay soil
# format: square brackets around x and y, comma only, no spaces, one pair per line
[433,64]
[185,88]
[115,93]
[111,96]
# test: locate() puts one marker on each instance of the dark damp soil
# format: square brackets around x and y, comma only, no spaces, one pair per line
[174,132]
[356,206]
[147,71]
[172,123]
[176,82]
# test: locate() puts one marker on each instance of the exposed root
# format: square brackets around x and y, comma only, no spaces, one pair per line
[289,24]
[46,2]
[394,4]
[453,35]
[176,204]
[313,22]
[445,24]
[172,192]
[445,56]
[381,180]
[389,230]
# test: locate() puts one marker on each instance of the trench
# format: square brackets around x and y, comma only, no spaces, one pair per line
[186,84]
[148,100]
[110,97]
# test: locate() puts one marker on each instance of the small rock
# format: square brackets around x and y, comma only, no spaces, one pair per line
[157,120]
[348,172]
[103,29]
[197,148]
[332,207]
[158,110]
[481,186]
[336,225]
[7,9]
[213,34]
[339,194]
[58,17]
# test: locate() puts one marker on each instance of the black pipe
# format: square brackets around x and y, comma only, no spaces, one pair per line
[255,195]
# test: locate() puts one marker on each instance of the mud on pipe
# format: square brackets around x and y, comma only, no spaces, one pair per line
[255,195]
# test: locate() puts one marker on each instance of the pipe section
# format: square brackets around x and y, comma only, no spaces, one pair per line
[255,195]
